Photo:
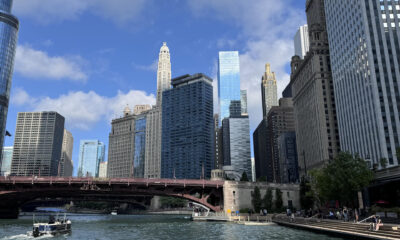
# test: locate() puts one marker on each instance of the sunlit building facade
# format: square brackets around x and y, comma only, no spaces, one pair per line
[91,154]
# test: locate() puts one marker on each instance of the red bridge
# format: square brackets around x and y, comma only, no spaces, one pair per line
[16,191]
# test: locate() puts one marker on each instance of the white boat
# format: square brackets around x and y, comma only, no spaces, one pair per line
[114,213]
[53,227]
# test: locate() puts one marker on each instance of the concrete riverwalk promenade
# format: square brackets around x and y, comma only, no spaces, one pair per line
[340,229]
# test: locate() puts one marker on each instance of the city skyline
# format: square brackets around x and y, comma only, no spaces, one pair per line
[125,65]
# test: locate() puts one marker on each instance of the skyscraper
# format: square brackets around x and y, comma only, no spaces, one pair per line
[228,81]
[66,163]
[8,42]
[37,144]
[140,146]
[6,160]
[103,170]
[243,101]
[301,42]
[188,128]
[261,148]
[288,162]
[163,72]
[313,96]
[365,59]
[269,90]
[91,154]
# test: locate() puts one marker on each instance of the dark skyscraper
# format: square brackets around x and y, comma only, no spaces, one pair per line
[8,43]
[188,128]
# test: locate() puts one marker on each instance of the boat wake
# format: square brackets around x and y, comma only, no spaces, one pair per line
[26,236]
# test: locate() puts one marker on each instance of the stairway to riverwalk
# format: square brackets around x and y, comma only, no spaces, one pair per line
[348,229]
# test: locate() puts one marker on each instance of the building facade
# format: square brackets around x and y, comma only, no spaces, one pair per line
[163,72]
[236,147]
[103,170]
[121,146]
[261,148]
[317,133]
[269,90]
[153,144]
[301,42]
[91,154]
[289,167]
[139,109]
[140,146]
[279,121]
[243,102]
[367,94]
[37,144]
[228,81]
[8,41]
[66,164]
[6,161]
[188,128]
[218,157]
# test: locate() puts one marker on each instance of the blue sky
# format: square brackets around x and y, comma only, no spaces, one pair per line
[88,59]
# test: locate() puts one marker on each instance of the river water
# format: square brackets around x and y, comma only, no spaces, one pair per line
[149,227]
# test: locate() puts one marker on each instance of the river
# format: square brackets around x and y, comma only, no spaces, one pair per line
[150,227]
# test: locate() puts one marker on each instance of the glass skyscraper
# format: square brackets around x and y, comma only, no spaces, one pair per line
[8,43]
[188,128]
[6,160]
[91,153]
[228,81]
[140,147]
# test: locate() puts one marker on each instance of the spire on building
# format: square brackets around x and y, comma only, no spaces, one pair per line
[127,110]
[163,72]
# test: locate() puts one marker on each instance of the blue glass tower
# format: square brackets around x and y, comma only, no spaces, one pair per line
[8,42]
[187,150]
[140,147]
[91,153]
[228,81]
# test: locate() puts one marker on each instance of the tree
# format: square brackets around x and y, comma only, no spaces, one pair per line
[244,177]
[278,200]
[256,199]
[398,153]
[342,178]
[262,179]
[383,162]
[267,200]
[306,194]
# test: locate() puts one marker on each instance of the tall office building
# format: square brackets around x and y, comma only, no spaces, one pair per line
[218,157]
[153,144]
[317,134]
[269,90]
[37,144]
[103,170]
[121,146]
[280,120]
[301,42]
[261,147]
[91,154]
[236,146]
[365,59]
[289,166]
[140,146]
[188,128]
[66,164]
[8,42]
[6,160]
[163,72]
[228,81]
[243,101]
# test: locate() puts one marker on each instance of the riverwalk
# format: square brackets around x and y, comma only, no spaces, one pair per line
[339,228]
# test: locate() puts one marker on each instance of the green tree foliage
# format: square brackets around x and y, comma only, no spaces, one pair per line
[244,177]
[278,200]
[306,194]
[256,199]
[171,202]
[342,178]
[267,200]
[262,179]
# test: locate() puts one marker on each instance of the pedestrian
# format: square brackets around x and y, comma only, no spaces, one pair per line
[265,212]
[356,214]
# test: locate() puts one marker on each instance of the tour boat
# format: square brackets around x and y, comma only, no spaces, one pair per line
[52,227]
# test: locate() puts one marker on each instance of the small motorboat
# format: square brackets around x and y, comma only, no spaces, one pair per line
[52,227]
[114,213]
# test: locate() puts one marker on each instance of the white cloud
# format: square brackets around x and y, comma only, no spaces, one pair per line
[267,29]
[82,110]
[38,64]
[49,11]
